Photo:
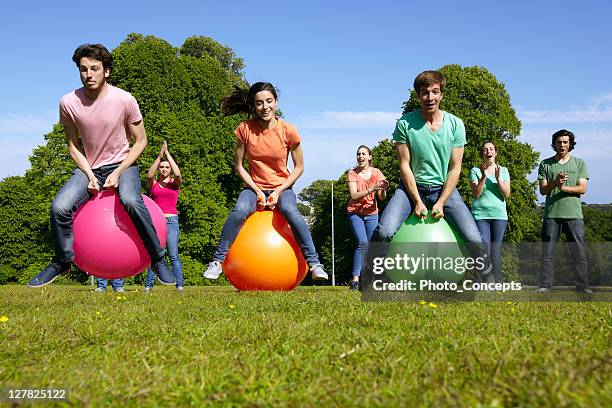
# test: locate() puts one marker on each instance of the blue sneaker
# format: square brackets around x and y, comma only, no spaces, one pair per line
[164,274]
[49,274]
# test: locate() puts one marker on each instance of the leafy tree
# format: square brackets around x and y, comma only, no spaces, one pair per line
[178,92]
[474,95]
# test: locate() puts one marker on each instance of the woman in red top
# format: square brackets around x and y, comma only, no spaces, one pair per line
[266,141]
[365,183]
[165,192]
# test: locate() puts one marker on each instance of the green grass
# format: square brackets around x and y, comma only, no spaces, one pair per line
[312,346]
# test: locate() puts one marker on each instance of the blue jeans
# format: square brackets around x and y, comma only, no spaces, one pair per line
[172,248]
[115,283]
[363,226]
[456,213]
[74,194]
[574,231]
[247,205]
[492,232]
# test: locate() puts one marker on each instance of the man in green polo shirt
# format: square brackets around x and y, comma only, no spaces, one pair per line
[563,178]
[430,144]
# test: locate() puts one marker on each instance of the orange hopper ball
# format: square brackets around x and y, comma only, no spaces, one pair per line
[265,256]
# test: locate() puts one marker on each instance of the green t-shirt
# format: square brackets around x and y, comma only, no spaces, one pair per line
[429,151]
[558,203]
[491,205]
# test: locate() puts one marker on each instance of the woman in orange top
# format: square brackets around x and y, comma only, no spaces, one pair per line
[266,141]
[365,183]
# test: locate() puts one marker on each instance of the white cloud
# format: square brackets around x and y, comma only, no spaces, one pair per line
[347,119]
[573,116]
[19,124]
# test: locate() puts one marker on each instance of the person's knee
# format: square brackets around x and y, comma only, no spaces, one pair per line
[383,233]
[290,212]
[61,207]
[241,211]
[131,201]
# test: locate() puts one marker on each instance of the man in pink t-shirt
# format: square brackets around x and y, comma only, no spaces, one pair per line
[99,121]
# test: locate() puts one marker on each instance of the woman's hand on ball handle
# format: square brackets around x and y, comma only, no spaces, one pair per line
[261,200]
[93,187]
[273,200]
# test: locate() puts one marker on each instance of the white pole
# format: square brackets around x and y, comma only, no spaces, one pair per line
[332,231]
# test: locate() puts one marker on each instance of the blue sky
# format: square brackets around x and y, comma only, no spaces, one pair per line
[343,68]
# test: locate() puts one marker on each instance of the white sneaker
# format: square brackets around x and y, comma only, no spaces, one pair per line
[100,290]
[214,270]
[179,288]
[147,289]
[318,273]
[119,290]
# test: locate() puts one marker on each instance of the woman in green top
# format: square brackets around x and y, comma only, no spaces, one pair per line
[491,187]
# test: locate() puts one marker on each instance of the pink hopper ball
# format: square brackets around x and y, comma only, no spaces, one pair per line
[106,242]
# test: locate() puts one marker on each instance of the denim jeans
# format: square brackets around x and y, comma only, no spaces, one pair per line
[456,213]
[492,232]
[247,205]
[115,283]
[74,194]
[363,226]
[574,231]
[172,248]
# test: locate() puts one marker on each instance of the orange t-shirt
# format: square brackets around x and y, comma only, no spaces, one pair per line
[267,151]
[365,205]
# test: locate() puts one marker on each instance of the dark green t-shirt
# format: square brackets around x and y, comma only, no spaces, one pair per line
[430,152]
[560,204]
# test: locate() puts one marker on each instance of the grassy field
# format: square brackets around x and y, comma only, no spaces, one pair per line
[313,346]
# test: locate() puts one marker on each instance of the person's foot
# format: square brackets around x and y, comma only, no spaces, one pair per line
[318,273]
[354,285]
[118,290]
[486,273]
[49,274]
[147,289]
[99,290]
[164,274]
[214,270]
[179,288]
[584,290]
[543,290]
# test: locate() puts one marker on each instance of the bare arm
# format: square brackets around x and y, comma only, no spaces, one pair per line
[403,154]
[297,156]
[356,195]
[244,175]
[478,186]
[153,169]
[78,155]
[580,188]
[452,178]
[139,136]
[178,180]
[547,186]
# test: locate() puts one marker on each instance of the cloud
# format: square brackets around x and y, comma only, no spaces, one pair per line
[591,144]
[28,123]
[598,111]
[347,119]
[573,116]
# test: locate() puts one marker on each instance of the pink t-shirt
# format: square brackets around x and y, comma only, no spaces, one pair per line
[165,197]
[102,123]
[365,205]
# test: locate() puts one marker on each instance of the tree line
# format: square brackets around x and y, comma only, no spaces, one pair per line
[178,89]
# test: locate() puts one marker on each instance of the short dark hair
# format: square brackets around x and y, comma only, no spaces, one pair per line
[428,78]
[564,132]
[93,51]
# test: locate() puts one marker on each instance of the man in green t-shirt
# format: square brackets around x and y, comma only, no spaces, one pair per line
[563,178]
[429,144]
